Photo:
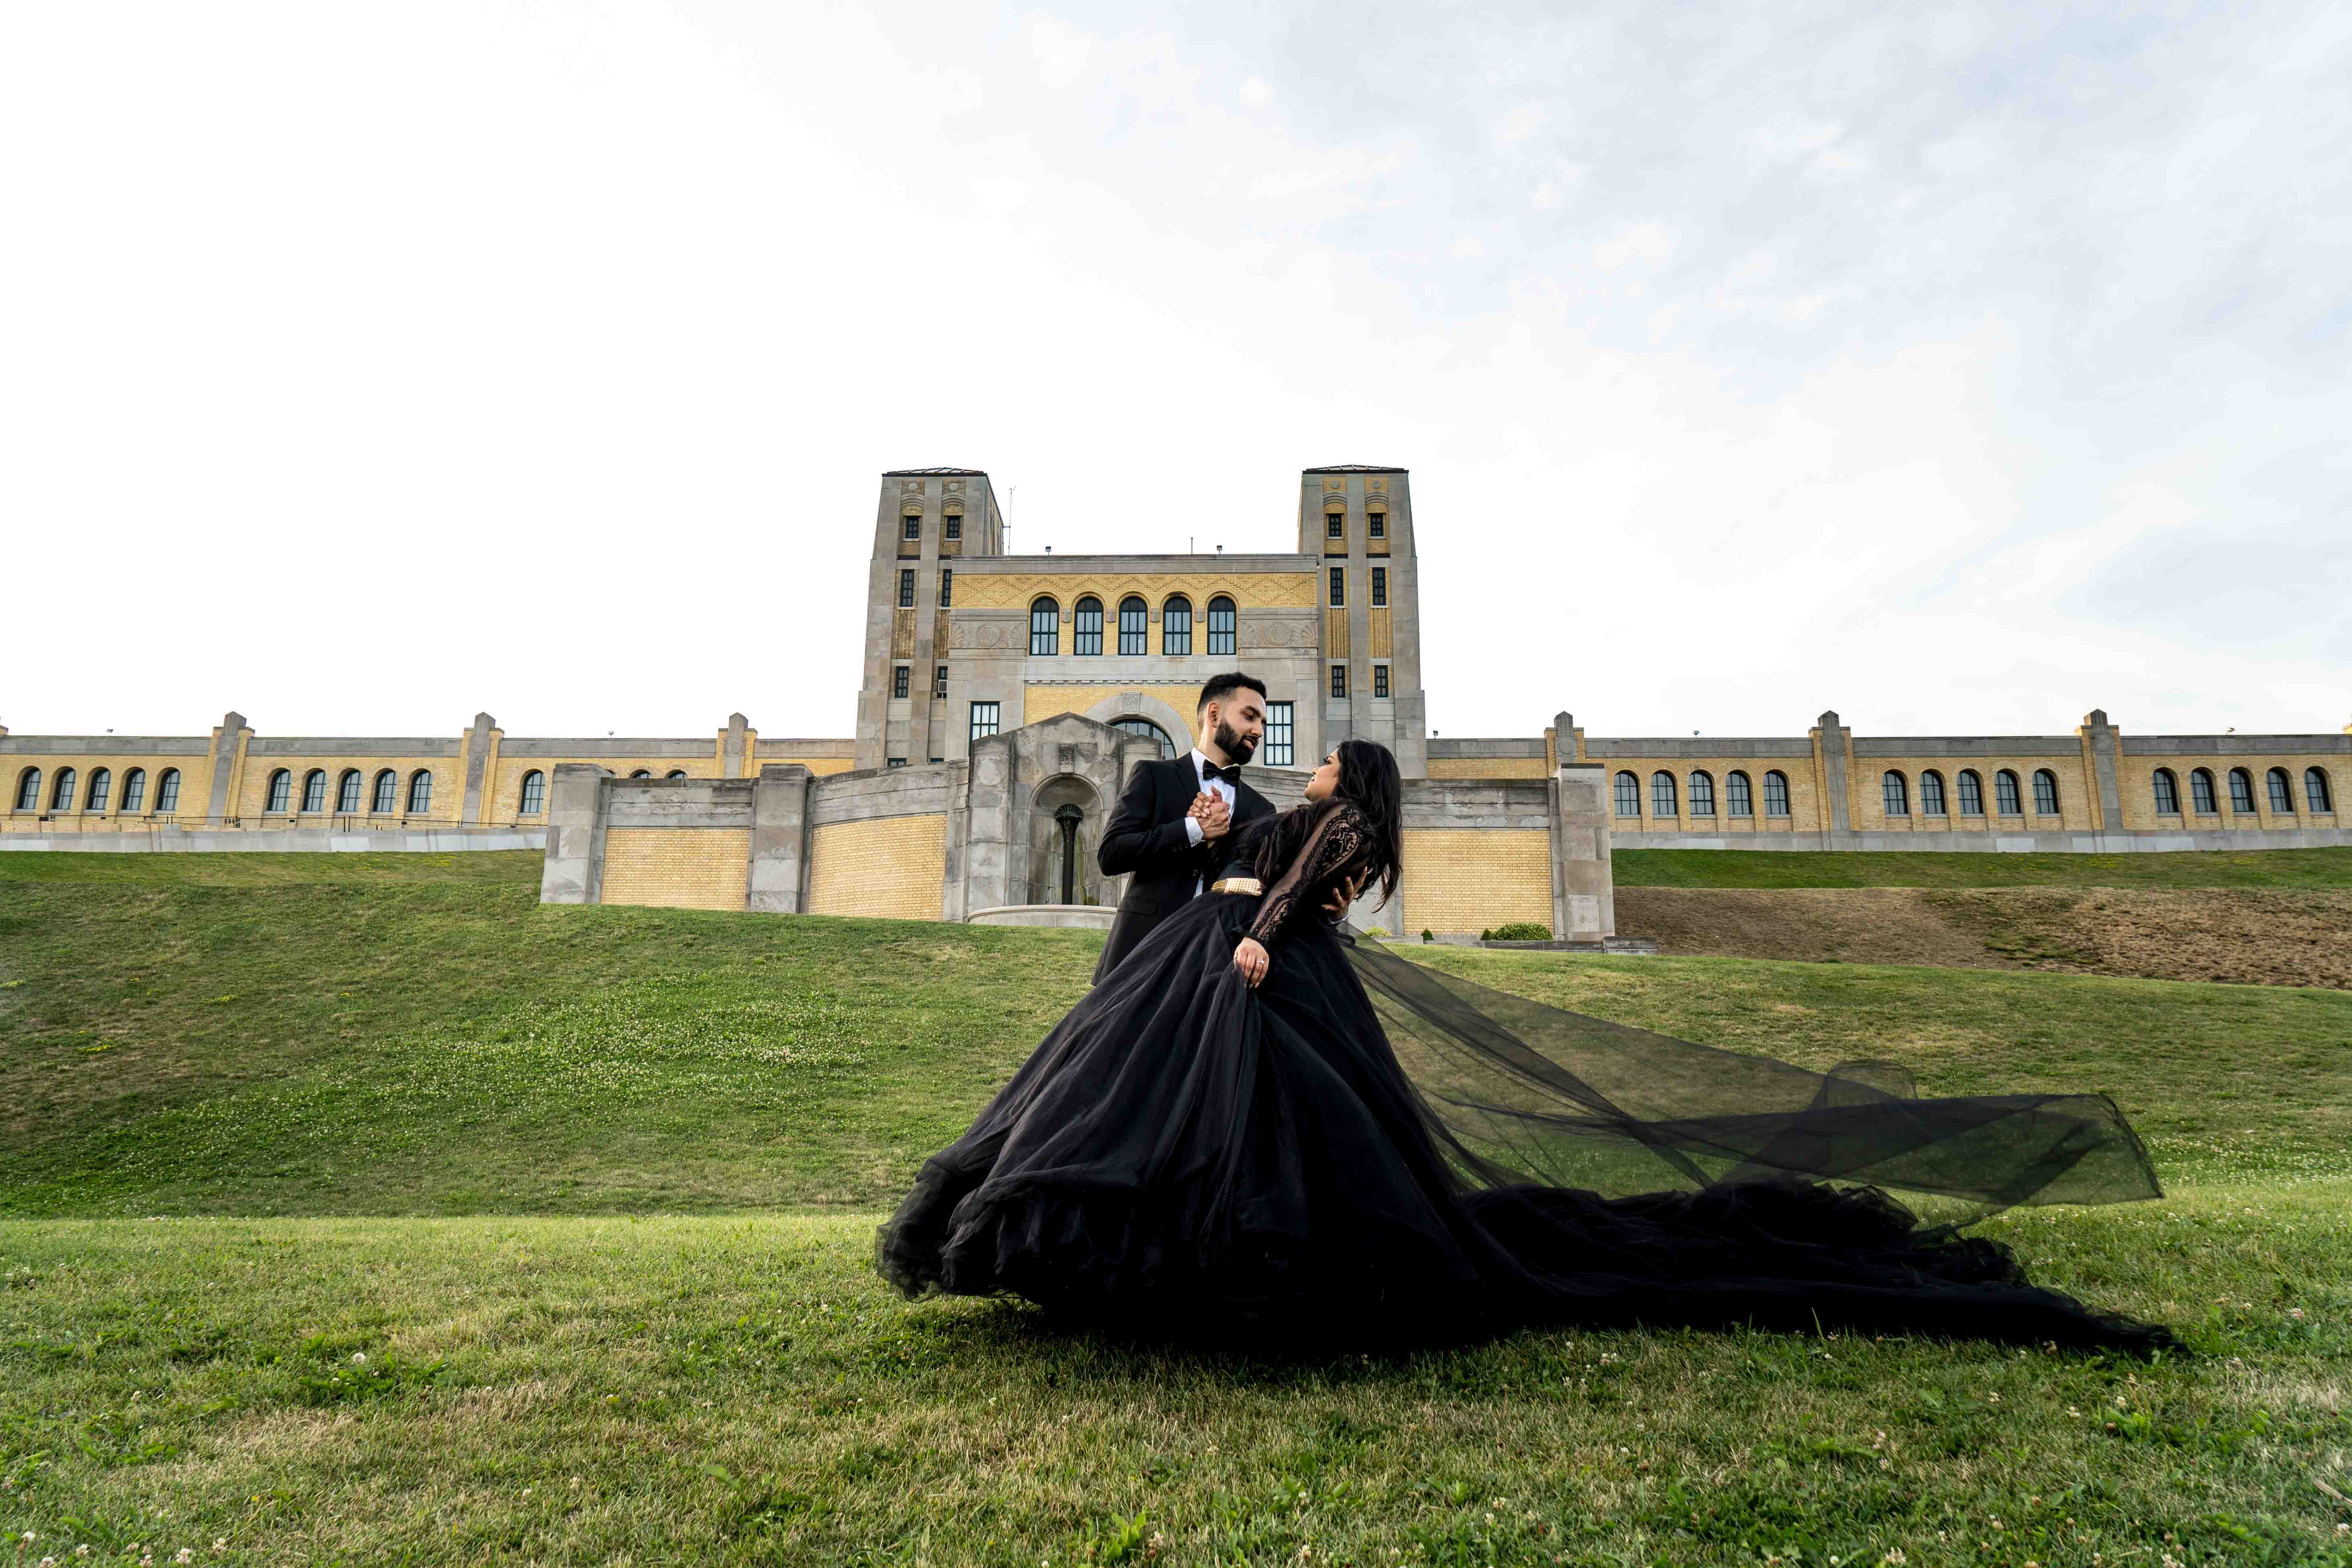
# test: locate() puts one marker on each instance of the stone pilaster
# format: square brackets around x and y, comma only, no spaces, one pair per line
[229,742]
[2100,747]
[575,835]
[481,752]
[1583,888]
[779,880]
[1833,756]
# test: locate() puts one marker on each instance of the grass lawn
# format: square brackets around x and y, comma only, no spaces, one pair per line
[1928,869]
[495,1232]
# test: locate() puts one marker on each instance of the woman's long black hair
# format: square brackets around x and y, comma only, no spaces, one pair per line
[1368,781]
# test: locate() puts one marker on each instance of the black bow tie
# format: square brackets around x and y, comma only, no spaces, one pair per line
[1209,770]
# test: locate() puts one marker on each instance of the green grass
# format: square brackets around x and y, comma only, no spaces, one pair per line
[1909,869]
[512,866]
[609,1179]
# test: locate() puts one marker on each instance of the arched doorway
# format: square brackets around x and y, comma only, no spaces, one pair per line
[1135,725]
[1064,828]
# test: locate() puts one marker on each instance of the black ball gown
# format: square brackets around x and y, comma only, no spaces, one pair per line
[1361,1149]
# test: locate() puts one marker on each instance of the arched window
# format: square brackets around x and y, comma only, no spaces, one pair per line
[1629,796]
[1702,794]
[1896,793]
[1044,628]
[2045,793]
[1738,801]
[1776,793]
[2282,795]
[167,792]
[534,792]
[134,789]
[2167,792]
[28,790]
[1176,625]
[314,790]
[281,792]
[387,793]
[1134,636]
[643,773]
[675,773]
[1931,794]
[347,791]
[1662,794]
[1971,793]
[1220,625]
[101,785]
[2005,796]
[1149,730]
[1085,632]
[2314,791]
[2200,792]
[420,791]
[61,797]
[2241,791]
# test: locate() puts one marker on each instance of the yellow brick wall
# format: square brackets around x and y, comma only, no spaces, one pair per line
[677,868]
[1383,632]
[195,784]
[1804,797]
[1045,701]
[1335,635]
[891,867]
[1468,879]
[2135,784]
[1248,591]
[1489,768]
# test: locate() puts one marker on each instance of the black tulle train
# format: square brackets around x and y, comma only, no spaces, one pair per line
[1366,1150]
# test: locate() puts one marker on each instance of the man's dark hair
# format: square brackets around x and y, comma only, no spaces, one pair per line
[1222,686]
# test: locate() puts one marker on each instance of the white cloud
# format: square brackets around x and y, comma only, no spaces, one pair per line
[1520,124]
[1642,242]
[1467,248]
[1256,92]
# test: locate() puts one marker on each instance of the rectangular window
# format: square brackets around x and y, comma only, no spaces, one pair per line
[911,528]
[1335,525]
[953,525]
[1339,587]
[907,589]
[946,587]
[1379,680]
[1339,681]
[1377,525]
[894,761]
[1379,586]
[899,674]
[1277,735]
[939,682]
[983,719]
[936,761]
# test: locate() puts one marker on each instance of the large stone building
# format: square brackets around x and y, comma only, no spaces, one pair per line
[1002,696]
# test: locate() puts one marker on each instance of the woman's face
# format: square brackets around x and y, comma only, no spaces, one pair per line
[1326,779]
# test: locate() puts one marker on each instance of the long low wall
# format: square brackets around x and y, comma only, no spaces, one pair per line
[279,841]
[1012,836]
[1969,843]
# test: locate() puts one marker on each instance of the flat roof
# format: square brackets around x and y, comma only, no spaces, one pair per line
[1357,468]
[922,473]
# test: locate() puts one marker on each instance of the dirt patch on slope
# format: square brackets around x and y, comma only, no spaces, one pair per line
[2247,936]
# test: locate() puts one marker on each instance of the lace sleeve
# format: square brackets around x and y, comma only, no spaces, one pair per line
[1337,840]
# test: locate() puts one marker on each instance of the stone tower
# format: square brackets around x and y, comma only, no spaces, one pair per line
[1356,519]
[925,521]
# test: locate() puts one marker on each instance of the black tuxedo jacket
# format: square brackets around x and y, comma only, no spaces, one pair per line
[1146,844]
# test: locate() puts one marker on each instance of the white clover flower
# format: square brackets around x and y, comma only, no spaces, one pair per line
[359,1358]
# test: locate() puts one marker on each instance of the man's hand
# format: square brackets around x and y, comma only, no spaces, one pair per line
[1336,906]
[1214,814]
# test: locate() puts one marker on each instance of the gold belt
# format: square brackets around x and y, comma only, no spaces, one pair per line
[1249,885]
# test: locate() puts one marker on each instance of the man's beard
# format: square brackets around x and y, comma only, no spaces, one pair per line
[1238,748]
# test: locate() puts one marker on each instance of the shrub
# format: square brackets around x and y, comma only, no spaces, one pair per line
[1519,930]
[1425,936]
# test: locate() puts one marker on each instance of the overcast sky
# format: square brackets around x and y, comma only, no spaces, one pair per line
[1961,369]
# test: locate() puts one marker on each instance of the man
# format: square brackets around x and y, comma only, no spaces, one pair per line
[1176,822]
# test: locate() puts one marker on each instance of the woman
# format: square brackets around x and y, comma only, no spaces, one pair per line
[1253,1124]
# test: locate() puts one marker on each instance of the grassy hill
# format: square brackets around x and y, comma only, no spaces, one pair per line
[519,1234]
[1929,868]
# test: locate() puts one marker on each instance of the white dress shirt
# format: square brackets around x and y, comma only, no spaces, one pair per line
[1224,790]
